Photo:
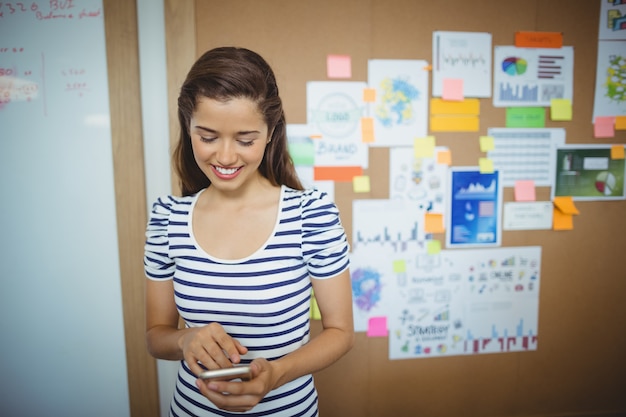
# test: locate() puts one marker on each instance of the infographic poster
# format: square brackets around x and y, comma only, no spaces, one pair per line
[532,77]
[589,173]
[475,208]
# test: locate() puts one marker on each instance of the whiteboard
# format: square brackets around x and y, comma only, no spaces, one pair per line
[63,350]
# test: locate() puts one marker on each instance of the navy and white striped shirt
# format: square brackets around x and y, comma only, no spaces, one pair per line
[262,300]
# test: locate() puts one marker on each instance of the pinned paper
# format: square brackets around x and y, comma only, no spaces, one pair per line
[565,205]
[369,95]
[562,221]
[485,165]
[377,327]
[444,157]
[452,89]
[339,66]
[620,122]
[433,223]
[367,130]
[361,184]
[486,143]
[617,152]
[525,117]
[424,147]
[604,127]
[561,109]
[315,313]
[339,174]
[399,266]
[433,247]
[525,190]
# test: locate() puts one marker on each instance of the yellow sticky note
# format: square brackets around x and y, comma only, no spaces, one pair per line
[315,313]
[433,223]
[617,152]
[562,221]
[444,157]
[486,143]
[565,205]
[361,184]
[339,66]
[369,95]
[399,266]
[620,123]
[424,147]
[453,123]
[467,107]
[452,89]
[433,247]
[561,109]
[367,130]
[485,165]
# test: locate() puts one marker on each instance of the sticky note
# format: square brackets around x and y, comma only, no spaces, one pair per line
[424,147]
[369,95]
[433,247]
[467,107]
[377,327]
[620,123]
[339,66]
[302,154]
[525,117]
[525,39]
[525,190]
[315,313]
[617,152]
[444,157]
[339,174]
[433,223]
[604,127]
[452,123]
[367,129]
[485,165]
[452,89]
[361,184]
[486,143]
[399,266]
[562,221]
[561,109]
[565,205]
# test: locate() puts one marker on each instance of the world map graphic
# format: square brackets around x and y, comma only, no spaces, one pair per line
[395,107]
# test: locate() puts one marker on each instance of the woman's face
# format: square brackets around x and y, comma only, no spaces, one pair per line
[228,139]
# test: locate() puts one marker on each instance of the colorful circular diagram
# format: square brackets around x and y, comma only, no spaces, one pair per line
[514,65]
[605,182]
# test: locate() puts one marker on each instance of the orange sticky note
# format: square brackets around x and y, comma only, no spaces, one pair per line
[562,221]
[339,66]
[565,205]
[339,174]
[617,152]
[452,89]
[538,39]
[367,129]
[361,184]
[620,122]
[525,190]
[369,95]
[604,127]
[433,223]
[454,123]
[444,157]
[377,327]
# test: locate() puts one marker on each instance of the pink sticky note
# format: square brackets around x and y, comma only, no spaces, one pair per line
[604,127]
[339,66]
[377,327]
[452,89]
[525,190]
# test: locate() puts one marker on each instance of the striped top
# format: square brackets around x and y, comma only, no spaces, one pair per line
[262,300]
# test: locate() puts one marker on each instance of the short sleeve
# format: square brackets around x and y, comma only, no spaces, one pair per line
[157,263]
[324,244]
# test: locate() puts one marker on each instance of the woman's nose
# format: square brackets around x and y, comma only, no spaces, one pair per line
[226,154]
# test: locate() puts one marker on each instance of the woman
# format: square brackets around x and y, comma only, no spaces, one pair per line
[238,255]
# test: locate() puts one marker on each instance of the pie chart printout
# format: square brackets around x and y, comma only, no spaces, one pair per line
[514,66]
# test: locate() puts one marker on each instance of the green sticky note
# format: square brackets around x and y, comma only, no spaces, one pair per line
[302,154]
[433,247]
[399,266]
[525,117]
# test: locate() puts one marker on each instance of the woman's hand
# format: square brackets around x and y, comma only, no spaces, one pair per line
[211,346]
[240,396]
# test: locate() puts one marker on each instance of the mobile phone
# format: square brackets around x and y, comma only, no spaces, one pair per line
[237,371]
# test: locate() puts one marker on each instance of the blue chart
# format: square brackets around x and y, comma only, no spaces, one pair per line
[521,93]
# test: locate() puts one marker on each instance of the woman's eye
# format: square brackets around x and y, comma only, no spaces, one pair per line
[246,142]
[207,140]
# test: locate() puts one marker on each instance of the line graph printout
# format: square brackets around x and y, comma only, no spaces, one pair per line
[532,76]
[462,55]
[525,154]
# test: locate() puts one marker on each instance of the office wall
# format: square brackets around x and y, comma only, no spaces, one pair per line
[578,367]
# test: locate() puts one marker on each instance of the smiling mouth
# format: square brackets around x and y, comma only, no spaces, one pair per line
[226,171]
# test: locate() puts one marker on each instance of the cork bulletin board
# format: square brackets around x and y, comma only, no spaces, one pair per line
[578,366]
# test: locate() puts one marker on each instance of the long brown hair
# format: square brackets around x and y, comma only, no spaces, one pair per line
[225,73]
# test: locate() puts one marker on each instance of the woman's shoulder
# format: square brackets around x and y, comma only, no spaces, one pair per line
[307,196]
[168,203]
